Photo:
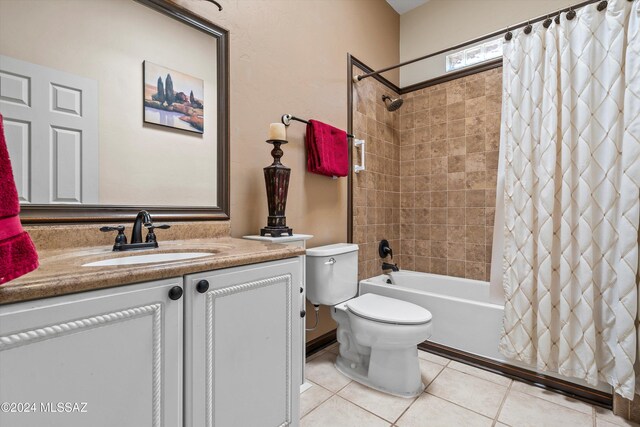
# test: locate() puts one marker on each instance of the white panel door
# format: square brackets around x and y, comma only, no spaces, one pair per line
[242,346]
[51,122]
[18,137]
[111,357]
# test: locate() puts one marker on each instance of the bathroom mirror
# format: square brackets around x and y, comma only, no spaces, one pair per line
[113,106]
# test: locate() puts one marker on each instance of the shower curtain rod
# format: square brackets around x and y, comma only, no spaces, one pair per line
[359,77]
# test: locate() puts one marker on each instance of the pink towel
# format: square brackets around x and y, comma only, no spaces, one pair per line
[327,149]
[17,253]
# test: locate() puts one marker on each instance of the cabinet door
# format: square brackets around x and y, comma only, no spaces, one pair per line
[111,357]
[242,346]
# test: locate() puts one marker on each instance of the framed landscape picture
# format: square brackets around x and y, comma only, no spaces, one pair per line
[172,98]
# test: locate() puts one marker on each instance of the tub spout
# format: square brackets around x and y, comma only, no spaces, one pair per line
[388,266]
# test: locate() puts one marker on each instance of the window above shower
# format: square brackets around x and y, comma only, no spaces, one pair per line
[444,64]
[474,55]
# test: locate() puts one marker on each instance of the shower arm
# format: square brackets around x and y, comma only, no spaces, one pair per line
[216,3]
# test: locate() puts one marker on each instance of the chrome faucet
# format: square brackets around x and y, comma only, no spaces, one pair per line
[142,219]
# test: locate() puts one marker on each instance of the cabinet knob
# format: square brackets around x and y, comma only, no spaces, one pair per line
[175,293]
[202,286]
[303,313]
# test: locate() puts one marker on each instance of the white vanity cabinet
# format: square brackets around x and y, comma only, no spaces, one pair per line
[242,346]
[164,353]
[111,357]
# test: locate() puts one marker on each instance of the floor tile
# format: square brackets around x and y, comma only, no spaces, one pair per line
[429,410]
[524,410]
[382,404]
[333,348]
[601,423]
[429,371]
[433,357]
[470,392]
[312,398]
[605,415]
[552,397]
[314,355]
[337,412]
[480,373]
[322,371]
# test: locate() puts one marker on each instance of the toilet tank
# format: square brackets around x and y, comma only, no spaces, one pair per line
[332,273]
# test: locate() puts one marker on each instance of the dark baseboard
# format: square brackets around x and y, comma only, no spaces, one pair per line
[585,394]
[318,343]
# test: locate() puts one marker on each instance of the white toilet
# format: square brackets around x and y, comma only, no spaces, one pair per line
[378,335]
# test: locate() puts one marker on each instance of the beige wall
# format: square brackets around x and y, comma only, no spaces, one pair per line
[440,24]
[106,41]
[290,56]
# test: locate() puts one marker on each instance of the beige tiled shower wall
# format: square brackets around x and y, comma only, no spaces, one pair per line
[449,139]
[376,192]
[430,183]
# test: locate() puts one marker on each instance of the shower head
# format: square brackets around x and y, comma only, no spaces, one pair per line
[394,104]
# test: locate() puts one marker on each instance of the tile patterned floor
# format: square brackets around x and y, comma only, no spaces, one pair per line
[456,395]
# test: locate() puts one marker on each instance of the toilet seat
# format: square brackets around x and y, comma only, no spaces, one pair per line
[388,310]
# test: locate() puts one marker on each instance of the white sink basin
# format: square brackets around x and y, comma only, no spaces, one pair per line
[148,258]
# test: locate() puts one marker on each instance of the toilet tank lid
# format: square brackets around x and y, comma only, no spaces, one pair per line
[330,250]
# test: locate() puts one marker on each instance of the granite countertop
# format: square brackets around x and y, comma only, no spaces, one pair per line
[61,271]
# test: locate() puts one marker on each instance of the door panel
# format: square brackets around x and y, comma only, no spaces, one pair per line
[54,114]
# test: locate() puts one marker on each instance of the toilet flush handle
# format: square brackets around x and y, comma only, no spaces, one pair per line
[331,261]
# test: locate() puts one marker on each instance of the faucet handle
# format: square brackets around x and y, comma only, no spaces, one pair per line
[161,226]
[118,228]
[121,239]
[151,236]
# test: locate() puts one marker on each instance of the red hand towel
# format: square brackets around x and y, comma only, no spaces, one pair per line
[17,253]
[327,149]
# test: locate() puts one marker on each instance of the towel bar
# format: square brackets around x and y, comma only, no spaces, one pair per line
[286,120]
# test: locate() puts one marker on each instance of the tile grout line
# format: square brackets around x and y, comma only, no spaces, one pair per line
[320,404]
[457,404]
[423,392]
[364,409]
[476,376]
[552,402]
[316,407]
[392,423]
[504,399]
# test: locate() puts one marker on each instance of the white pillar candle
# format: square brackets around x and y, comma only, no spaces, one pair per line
[277,131]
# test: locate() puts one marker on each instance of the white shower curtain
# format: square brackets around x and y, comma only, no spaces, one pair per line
[571,138]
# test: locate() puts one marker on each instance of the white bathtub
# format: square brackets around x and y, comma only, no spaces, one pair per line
[463,316]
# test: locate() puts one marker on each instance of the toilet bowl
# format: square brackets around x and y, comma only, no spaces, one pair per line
[378,336]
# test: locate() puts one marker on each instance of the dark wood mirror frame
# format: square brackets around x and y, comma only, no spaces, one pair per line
[43,214]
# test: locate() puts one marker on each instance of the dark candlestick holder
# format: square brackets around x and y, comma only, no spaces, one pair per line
[276,179]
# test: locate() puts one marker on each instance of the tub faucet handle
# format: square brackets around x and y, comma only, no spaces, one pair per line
[384,249]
